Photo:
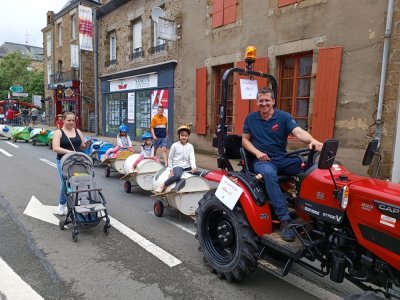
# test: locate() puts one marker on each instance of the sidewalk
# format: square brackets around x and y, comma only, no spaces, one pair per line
[204,161]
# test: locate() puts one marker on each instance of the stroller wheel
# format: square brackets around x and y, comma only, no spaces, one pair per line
[158,208]
[106,229]
[61,224]
[127,186]
[74,236]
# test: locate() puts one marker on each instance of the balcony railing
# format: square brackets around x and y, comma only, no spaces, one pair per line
[137,53]
[157,49]
[73,74]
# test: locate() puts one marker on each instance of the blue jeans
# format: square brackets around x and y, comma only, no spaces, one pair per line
[269,170]
[161,143]
[177,175]
[63,198]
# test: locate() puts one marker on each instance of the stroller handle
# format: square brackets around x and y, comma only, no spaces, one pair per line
[82,191]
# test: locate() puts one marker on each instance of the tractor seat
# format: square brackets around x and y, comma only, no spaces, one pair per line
[247,164]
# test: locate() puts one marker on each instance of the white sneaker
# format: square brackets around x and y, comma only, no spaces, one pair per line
[160,189]
[61,209]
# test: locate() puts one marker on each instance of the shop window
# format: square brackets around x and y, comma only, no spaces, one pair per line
[116,111]
[223,12]
[218,72]
[143,112]
[294,86]
[113,48]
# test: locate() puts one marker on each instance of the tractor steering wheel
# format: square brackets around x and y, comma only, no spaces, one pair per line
[300,153]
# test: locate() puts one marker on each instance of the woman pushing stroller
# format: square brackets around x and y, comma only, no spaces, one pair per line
[181,158]
[67,139]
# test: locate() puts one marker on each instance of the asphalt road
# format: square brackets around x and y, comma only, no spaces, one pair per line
[115,267]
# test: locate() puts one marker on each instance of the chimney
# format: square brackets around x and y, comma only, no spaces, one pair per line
[50,17]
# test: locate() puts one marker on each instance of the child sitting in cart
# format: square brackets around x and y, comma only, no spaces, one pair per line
[181,158]
[147,150]
[123,142]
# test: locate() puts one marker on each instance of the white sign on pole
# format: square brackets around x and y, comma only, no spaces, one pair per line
[131,107]
[248,88]
[74,56]
[228,192]
[37,100]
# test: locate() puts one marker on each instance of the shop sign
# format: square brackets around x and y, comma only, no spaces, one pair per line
[134,83]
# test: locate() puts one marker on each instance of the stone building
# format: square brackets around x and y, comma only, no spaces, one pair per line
[35,54]
[138,69]
[326,56]
[69,71]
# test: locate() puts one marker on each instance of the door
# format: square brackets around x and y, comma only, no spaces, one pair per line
[116,111]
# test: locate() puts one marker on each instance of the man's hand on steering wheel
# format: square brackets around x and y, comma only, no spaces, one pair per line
[315,145]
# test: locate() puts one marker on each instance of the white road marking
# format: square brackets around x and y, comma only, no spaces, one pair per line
[12,144]
[42,212]
[5,152]
[161,254]
[169,221]
[50,163]
[12,286]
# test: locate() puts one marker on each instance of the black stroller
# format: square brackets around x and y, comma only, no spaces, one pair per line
[85,202]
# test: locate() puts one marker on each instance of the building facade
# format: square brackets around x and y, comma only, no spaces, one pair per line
[69,71]
[326,56]
[138,70]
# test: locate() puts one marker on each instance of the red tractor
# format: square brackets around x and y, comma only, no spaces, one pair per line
[348,223]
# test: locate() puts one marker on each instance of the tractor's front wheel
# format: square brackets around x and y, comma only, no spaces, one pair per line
[228,243]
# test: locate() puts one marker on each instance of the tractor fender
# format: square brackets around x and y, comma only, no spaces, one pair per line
[259,217]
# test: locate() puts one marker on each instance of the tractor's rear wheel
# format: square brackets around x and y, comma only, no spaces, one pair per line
[229,245]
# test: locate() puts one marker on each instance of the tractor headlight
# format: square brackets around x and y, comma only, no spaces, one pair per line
[344,201]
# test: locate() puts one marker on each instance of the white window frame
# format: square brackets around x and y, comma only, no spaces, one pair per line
[113,46]
[59,31]
[48,44]
[49,71]
[73,27]
[137,35]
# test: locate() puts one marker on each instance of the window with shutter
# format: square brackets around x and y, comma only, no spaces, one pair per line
[223,12]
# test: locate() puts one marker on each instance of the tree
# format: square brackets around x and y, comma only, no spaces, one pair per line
[14,70]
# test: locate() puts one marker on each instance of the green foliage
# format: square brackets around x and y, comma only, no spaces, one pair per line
[14,71]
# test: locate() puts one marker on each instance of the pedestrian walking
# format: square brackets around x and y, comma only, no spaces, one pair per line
[159,130]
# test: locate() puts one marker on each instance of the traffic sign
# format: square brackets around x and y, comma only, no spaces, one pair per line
[20,94]
[68,92]
[17,89]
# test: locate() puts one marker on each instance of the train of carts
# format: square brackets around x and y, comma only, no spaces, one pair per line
[147,175]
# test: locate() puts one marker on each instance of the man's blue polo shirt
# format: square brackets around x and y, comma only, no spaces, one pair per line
[270,136]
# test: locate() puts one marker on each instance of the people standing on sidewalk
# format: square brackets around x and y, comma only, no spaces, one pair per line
[265,135]
[123,141]
[59,122]
[181,158]
[159,130]
[66,140]
[34,115]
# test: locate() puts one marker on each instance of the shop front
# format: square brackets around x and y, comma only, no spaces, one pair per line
[132,97]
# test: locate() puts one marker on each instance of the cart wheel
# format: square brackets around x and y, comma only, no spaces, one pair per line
[74,236]
[61,224]
[158,208]
[127,186]
[106,229]
[33,142]
[14,139]
[26,141]
[107,172]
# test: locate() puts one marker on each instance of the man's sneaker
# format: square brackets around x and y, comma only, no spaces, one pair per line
[287,234]
[61,209]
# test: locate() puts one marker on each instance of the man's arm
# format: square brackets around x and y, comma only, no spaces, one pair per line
[307,138]
[248,145]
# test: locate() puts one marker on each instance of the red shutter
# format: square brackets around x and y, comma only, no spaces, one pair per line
[287,2]
[201,100]
[241,107]
[260,65]
[217,13]
[326,90]
[229,11]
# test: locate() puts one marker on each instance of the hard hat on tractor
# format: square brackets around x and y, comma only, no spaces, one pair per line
[185,128]
[146,136]
[123,128]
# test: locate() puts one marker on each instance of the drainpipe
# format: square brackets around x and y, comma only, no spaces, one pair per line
[96,74]
[396,152]
[388,30]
